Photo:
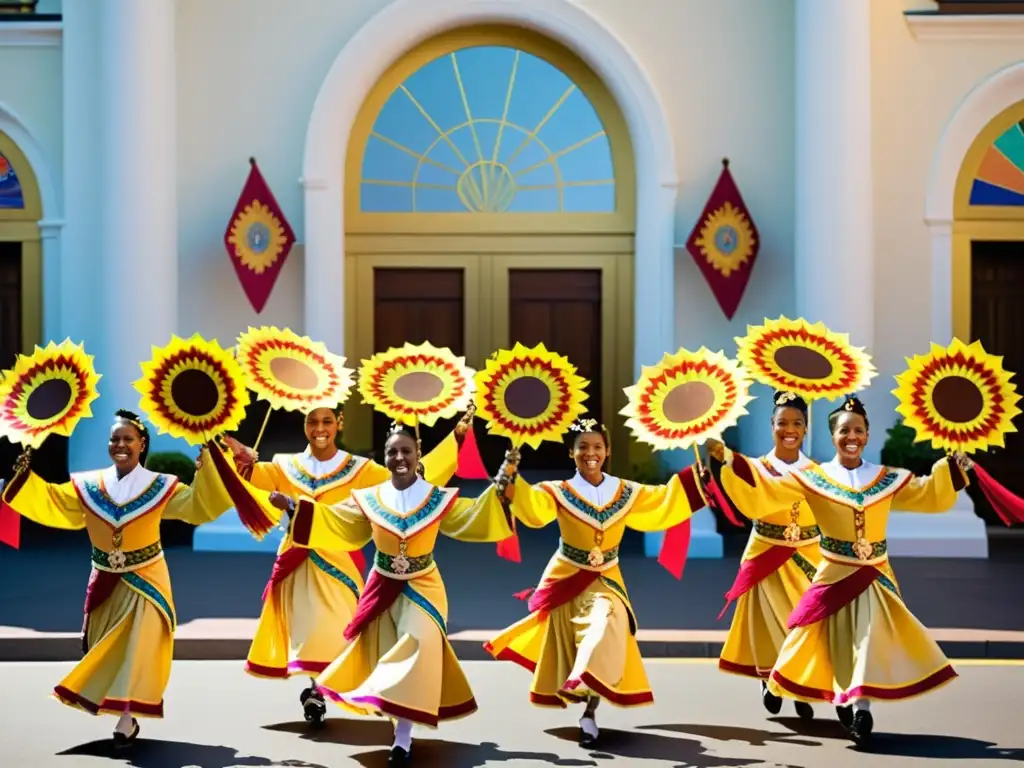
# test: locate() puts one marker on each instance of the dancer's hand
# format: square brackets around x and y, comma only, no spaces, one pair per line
[283,502]
[241,453]
[716,449]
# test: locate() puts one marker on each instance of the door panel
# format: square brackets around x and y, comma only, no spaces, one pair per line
[997,321]
[10,303]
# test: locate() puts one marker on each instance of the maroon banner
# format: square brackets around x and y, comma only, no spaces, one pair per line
[725,242]
[258,238]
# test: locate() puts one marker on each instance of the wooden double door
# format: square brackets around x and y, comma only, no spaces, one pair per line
[475,305]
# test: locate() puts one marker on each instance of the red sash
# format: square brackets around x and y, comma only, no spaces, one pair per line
[754,570]
[284,566]
[823,600]
[101,585]
[379,595]
[556,592]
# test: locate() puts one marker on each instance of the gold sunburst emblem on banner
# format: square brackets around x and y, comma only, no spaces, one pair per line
[192,389]
[292,372]
[726,240]
[804,358]
[529,395]
[47,393]
[416,383]
[258,237]
[687,398]
[958,397]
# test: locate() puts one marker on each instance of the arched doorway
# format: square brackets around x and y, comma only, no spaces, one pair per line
[988,259]
[490,199]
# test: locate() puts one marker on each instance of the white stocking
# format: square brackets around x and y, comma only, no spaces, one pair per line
[403,734]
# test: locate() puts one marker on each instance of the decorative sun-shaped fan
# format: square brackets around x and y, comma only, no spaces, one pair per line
[958,397]
[47,393]
[292,372]
[192,389]
[416,383]
[686,398]
[529,395]
[806,359]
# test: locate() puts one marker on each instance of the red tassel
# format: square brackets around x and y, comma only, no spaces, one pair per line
[249,512]
[675,548]
[508,549]
[1007,505]
[10,527]
[714,490]
[525,594]
[471,465]
[359,560]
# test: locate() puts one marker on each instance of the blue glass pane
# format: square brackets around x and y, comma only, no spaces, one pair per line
[11,196]
[487,129]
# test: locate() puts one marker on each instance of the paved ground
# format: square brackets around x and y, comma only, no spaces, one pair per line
[220,718]
[974,605]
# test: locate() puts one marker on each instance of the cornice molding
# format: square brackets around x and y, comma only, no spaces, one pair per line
[949,27]
[31,34]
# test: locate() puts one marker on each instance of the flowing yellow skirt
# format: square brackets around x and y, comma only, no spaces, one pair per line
[760,624]
[873,648]
[131,644]
[302,624]
[402,664]
[581,648]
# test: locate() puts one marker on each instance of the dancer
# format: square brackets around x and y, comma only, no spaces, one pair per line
[312,593]
[852,638]
[399,662]
[778,564]
[579,639]
[128,632]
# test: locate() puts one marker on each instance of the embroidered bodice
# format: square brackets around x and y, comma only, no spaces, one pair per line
[405,519]
[310,476]
[126,509]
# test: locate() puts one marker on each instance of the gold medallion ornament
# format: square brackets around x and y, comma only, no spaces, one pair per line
[686,399]
[726,240]
[292,372]
[192,389]
[804,358]
[47,393]
[958,397]
[258,237]
[529,395]
[416,383]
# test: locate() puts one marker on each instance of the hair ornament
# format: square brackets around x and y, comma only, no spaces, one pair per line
[784,397]
[848,405]
[584,425]
[137,423]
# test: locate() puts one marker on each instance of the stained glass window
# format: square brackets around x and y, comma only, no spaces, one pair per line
[999,179]
[11,197]
[487,129]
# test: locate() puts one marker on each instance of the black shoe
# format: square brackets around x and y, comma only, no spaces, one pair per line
[586,740]
[399,758]
[121,741]
[314,708]
[845,715]
[804,710]
[863,724]
[771,702]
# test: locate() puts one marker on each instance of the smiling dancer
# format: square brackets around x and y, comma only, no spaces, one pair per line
[311,595]
[579,640]
[128,633]
[852,638]
[778,564]
[399,663]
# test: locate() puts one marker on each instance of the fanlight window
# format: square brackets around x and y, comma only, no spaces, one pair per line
[487,129]
[11,196]
[999,179]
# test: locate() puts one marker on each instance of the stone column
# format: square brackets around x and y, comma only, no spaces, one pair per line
[139,211]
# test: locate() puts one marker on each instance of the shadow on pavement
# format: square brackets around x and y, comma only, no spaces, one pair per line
[155,753]
[684,753]
[356,733]
[755,737]
[925,745]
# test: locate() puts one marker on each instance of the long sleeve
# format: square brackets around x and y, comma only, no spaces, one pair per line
[659,507]
[478,520]
[440,464]
[370,475]
[202,502]
[264,476]
[754,495]
[532,506]
[932,494]
[54,505]
[339,527]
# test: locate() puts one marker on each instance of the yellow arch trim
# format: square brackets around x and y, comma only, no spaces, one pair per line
[962,209]
[22,226]
[620,221]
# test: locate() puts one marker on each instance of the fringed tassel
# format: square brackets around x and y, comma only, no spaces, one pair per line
[675,548]
[508,549]
[249,510]
[471,464]
[1007,505]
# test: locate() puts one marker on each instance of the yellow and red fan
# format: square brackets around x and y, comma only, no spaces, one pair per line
[45,393]
[961,400]
[192,389]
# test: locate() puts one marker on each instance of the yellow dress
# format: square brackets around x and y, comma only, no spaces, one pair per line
[851,636]
[776,568]
[312,593]
[579,639]
[130,619]
[400,662]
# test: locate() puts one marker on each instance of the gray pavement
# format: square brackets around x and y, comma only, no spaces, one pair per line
[217,717]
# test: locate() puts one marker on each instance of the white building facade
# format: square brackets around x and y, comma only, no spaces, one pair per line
[862,135]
